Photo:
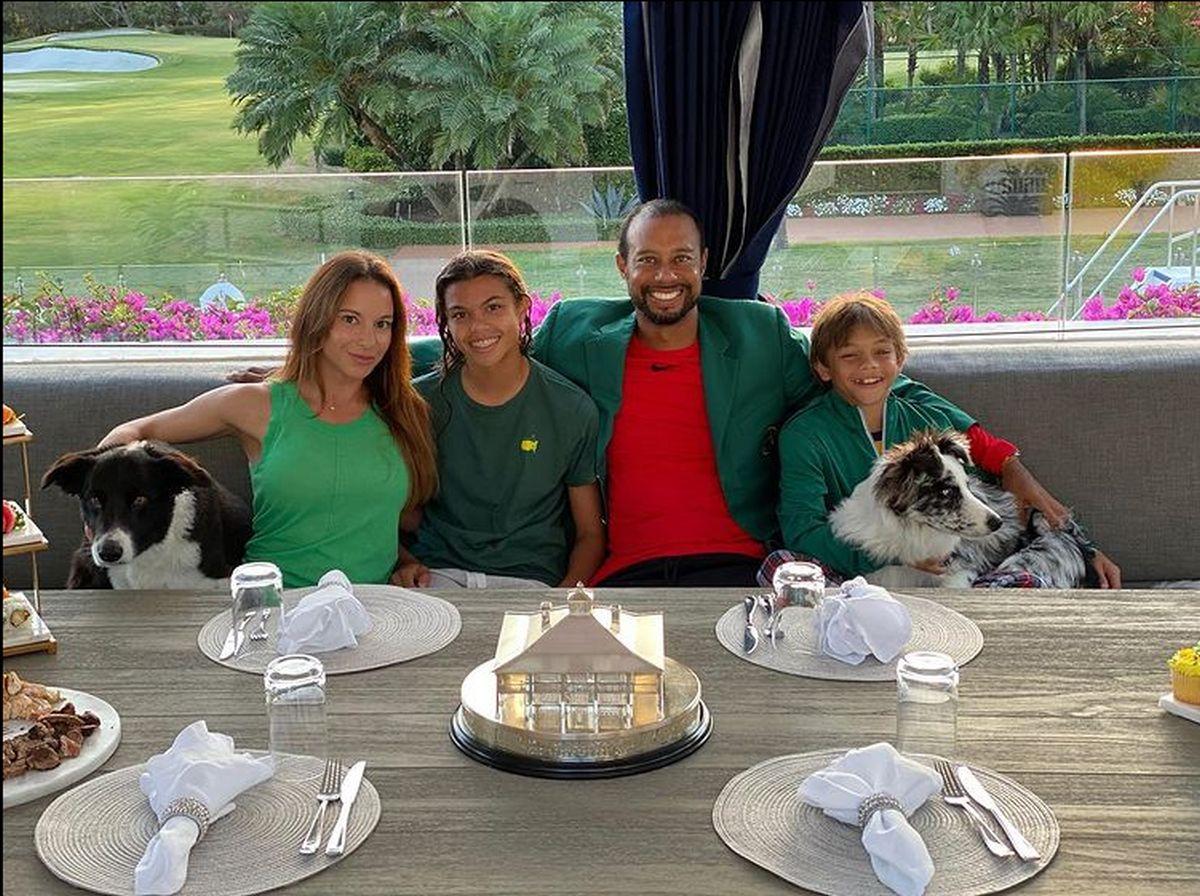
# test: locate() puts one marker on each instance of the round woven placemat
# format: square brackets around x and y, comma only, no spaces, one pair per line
[760,817]
[935,627]
[405,625]
[92,837]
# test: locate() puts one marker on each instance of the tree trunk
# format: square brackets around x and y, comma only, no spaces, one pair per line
[960,64]
[912,63]
[875,72]
[984,93]
[1081,84]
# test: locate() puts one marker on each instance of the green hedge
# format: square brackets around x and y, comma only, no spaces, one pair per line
[1127,121]
[922,126]
[1050,124]
[834,152]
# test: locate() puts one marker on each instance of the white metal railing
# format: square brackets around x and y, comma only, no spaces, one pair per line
[1178,189]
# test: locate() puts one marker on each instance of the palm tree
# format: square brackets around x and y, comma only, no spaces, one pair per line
[312,70]
[506,84]
[910,25]
[1085,22]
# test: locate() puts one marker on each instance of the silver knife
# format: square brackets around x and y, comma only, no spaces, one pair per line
[350,784]
[976,791]
[236,635]
[750,636]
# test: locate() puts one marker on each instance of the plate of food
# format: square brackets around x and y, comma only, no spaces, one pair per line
[22,625]
[13,425]
[19,529]
[53,737]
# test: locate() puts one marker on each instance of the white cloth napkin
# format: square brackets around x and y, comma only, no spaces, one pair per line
[898,854]
[860,620]
[201,765]
[328,619]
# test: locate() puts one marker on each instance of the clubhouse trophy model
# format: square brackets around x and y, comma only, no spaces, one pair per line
[583,691]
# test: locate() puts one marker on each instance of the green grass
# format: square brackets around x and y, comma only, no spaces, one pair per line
[172,119]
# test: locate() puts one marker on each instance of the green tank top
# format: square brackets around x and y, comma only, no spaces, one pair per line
[326,496]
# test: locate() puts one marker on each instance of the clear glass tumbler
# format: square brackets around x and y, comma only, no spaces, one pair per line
[295,694]
[798,584]
[257,590]
[927,707]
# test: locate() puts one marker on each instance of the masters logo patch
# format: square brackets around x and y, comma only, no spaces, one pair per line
[530,445]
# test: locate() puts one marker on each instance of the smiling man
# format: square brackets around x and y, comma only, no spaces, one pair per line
[691,392]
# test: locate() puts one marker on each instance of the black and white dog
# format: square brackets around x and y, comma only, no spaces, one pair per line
[153,518]
[919,503]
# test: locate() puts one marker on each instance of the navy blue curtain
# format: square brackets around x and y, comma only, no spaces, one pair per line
[729,103]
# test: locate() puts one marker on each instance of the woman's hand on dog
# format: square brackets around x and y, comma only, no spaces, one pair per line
[1031,494]
[119,435]
[1107,572]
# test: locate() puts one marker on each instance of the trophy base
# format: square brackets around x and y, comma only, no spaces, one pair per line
[580,769]
[683,728]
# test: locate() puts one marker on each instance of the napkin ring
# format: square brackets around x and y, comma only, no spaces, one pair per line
[188,807]
[876,802]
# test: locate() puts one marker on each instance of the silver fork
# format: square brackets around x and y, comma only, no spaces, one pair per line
[772,630]
[953,793]
[330,792]
[260,630]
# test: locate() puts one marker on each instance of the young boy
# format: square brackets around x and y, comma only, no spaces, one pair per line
[858,350]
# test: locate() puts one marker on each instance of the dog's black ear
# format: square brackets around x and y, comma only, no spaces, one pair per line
[899,483]
[70,470]
[954,444]
[177,470]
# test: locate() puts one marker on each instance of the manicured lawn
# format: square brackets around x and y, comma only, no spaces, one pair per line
[172,119]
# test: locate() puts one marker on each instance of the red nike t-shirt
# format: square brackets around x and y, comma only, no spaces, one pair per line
[664,494]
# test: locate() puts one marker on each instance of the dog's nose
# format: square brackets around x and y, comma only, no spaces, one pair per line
[110,551]
[994,523]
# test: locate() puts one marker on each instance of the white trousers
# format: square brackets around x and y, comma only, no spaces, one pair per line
[464,578]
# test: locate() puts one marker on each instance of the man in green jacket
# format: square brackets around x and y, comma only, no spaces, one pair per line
[691,392]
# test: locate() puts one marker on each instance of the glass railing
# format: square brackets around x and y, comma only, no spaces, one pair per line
[1130,211]
[267,233]
[959,238]
[981,239]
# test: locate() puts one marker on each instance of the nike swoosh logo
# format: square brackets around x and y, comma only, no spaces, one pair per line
[659,368]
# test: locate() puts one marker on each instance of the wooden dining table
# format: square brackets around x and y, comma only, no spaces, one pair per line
[1063,699]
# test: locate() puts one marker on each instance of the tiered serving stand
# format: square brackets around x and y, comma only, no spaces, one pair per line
[43,640]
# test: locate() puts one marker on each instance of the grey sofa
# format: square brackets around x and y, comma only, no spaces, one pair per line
[1112,428]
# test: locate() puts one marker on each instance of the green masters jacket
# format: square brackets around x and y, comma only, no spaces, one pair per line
[825,451]
[754,366]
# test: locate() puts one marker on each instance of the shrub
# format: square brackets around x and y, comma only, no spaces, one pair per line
[915,127]
[334,156]
[367,158]
[1050,124]
[608,144]
[1128,121]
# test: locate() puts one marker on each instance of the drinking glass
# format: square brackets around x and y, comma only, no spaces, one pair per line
[927,707]
[798,584]
[295,694]
[257,590]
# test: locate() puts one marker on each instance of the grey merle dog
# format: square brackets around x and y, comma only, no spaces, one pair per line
[920,502]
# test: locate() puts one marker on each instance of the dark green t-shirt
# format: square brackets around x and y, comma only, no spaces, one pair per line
[502,505]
